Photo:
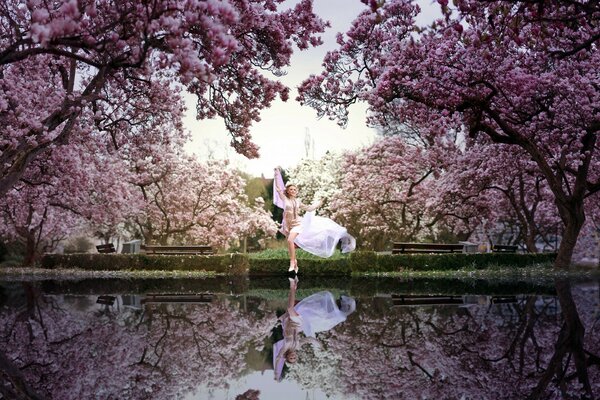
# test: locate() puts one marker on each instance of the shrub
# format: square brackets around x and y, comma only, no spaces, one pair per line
[448,262]
[227,263]
[364,261]
[239,264]
[79,244]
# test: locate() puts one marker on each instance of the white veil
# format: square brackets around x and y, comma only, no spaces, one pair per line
[320,236]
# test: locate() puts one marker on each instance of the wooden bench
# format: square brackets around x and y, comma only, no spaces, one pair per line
[504,299]
[106,248]
[177,250]
[498,248]
[423,300]
[178,298]
[106,300]
[420,300]
[427,248]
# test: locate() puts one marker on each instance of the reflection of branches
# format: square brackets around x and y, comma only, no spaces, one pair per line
[569,345]
[68,339]
[32,313]
[414,363]
[14,385]
[441,331]
[524,332]
[195,336]
[157,344]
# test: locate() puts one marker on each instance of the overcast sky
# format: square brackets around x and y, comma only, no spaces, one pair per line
[282,131]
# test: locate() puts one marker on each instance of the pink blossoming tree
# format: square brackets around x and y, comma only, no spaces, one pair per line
[64,61]
[79,187]
[519,73]
[199,203]
[520,201]
[393,190]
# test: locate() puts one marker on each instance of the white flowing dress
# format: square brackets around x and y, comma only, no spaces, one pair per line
[319,312]
[321,235]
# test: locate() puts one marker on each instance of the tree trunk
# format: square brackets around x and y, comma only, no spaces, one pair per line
[30,251]
[573,218]
[530,243]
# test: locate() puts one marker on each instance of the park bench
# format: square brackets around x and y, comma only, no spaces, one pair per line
[106,300]
[419,300]
[497,248]
[106,248]
[178,298]
[427,248]
[177,250]
[504,299]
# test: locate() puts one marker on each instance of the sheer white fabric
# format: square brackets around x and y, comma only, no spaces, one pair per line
[320,312]
[321,235]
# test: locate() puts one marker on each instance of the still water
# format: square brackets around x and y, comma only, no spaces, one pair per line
[215,339]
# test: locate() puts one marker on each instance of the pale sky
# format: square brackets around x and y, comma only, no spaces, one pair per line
[281,132]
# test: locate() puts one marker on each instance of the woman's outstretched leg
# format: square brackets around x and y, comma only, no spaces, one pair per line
[292,251]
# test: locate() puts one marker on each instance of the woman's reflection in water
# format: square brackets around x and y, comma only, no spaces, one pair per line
[316,313]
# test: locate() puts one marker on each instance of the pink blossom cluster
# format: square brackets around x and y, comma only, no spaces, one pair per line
[319,179]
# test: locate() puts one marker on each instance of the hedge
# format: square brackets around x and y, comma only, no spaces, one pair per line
[234,263]
[370,261]
[449,262]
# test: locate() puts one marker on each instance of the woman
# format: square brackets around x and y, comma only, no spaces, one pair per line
[291,225]
[315,234]
[316,313]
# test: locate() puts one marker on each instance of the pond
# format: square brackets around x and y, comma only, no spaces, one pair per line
[216,338]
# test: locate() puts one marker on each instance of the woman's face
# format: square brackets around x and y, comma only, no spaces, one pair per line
[292,191]
[291,357]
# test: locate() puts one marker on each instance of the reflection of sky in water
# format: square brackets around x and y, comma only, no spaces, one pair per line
[269,389]
[493,343]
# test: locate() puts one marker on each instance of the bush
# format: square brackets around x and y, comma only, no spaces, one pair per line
[3,251]
[449,262]
[364,261]
[282,253]
[227,263]
[239,264]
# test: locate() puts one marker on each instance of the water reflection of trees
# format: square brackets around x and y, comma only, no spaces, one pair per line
[66,347]
[502,351]
[66,350]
